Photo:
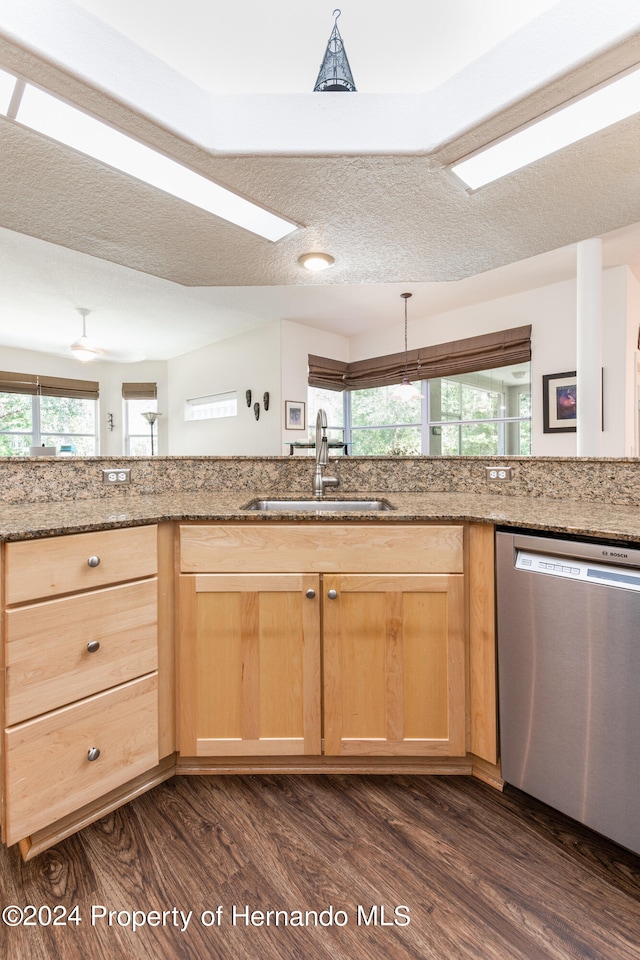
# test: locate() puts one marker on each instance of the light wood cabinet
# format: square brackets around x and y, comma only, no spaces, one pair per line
[332,646]
[393,641]
[394,665]
[80,672]
[250,664]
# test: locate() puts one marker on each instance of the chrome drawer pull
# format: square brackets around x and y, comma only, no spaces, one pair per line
[93,645]
[332,594]
[94,561]
[93,753]
[310,593]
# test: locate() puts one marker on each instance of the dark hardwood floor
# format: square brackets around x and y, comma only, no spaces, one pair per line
[485,876]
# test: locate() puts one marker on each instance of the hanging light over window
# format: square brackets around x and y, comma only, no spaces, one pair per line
[405,390]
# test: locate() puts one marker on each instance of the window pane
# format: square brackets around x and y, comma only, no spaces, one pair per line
[386,441]
[470,439]
[331,401]
[138,430]
[71,443]
[382,405]
[141,446]
[66,415]
[212,407]
[16,424]
[15,445]
[484,395]
[15,412]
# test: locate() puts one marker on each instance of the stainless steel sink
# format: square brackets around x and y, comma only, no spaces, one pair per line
[319,506]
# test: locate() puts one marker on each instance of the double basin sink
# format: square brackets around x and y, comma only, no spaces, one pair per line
[313,505]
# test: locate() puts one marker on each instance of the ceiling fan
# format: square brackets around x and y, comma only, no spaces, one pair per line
[85,350]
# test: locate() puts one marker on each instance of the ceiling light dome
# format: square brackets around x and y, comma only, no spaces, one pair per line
[316,261]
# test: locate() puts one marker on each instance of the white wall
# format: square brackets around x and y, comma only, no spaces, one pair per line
[110,376]
[298,341]
[250,361]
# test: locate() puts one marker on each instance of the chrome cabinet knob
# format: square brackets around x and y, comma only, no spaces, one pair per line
[94,561]
[332,594]
[93,753]
[93,645]
[310,593]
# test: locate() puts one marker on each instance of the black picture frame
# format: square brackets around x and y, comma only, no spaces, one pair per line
[559,397]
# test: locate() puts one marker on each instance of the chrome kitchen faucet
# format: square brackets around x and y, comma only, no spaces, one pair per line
[322,456]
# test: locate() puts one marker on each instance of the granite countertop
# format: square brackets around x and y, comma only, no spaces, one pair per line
[32,520]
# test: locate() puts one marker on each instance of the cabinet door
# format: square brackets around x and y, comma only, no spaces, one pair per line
[250,665]
[394,665]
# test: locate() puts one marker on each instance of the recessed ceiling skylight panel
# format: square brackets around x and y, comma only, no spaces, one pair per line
[616,100]
[64,123]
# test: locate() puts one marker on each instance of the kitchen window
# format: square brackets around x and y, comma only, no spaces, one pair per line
[138,399]
[469,397]
[486,413]
[47,411]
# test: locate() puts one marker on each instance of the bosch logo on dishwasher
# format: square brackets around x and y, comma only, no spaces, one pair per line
[612,553]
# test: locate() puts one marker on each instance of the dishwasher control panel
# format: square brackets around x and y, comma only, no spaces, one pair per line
[607,574]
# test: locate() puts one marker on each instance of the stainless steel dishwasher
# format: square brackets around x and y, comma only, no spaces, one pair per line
[569,676]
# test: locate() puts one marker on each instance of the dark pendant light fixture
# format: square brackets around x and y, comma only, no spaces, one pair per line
[405,382]
[335,73]
[406,390]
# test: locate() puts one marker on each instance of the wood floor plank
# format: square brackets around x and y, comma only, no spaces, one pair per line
[487,876]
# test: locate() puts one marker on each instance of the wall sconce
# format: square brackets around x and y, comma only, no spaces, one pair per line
[110,423]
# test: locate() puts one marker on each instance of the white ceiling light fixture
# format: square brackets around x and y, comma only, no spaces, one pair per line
[316,261]
[83,349]
[615,100]
[46,114]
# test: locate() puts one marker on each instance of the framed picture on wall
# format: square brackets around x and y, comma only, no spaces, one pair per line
[294,415]
[559,402]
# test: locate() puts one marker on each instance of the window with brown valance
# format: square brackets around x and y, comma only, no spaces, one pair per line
[33,384]
[483,352]
[139,391]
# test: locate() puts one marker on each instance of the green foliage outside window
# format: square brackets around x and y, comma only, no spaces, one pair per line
[479,414]
[59,421]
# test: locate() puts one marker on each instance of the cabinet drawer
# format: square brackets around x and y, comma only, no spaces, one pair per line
[44,568]
[48,662]
[49,774]
[321,548]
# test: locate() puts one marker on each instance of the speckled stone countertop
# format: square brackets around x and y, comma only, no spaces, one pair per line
[33,520]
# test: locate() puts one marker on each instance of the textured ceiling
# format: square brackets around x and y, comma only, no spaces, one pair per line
[391,217]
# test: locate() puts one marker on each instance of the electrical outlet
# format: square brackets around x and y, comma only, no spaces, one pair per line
[117,475]
[499,474]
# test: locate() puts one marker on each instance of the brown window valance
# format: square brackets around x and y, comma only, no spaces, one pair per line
[483,352]
[32,384]
[139,391]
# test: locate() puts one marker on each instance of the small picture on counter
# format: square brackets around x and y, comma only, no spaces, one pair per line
[294,415]
[559,402]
